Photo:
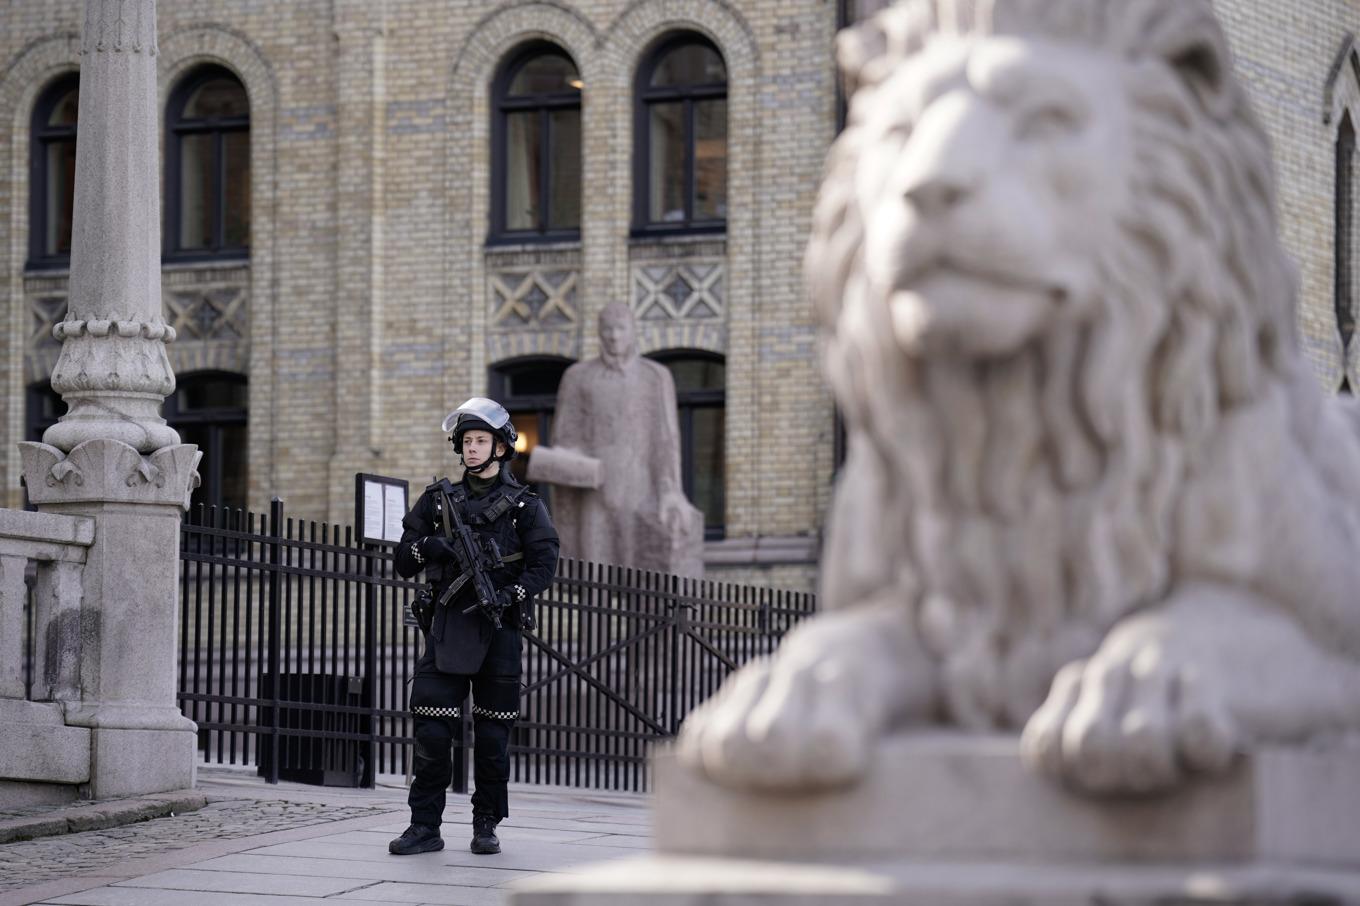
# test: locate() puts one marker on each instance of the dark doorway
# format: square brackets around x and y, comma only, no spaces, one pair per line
[527,388]
[209,409]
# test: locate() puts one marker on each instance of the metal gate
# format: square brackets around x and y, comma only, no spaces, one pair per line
[295,657]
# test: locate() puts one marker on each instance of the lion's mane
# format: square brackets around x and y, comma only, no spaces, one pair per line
[1037,490]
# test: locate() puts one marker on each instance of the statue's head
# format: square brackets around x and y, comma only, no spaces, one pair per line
[618,334]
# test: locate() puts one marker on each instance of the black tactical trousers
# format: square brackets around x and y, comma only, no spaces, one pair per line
[436,699]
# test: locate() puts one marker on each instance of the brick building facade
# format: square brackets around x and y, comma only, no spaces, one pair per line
[379,285]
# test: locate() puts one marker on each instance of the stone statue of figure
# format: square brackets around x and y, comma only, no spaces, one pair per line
[615,460]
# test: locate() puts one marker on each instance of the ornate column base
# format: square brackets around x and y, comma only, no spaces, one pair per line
[129,608]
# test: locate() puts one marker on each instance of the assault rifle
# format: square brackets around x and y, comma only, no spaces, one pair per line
[477,556]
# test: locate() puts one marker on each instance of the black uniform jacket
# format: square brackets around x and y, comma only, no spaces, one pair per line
[516,518]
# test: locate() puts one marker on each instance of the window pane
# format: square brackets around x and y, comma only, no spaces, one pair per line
[236,192]
[522,190]
[710,160]
[196,165]
[564,164]
[666,170]
[689,64]
[539,379]
[64,113]
[708,465]
[61,193]
[196,394]
[222,97]
[545,74]
[697,374]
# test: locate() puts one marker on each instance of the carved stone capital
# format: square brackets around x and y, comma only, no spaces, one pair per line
[110,471]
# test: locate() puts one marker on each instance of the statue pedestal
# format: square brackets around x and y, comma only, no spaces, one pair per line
[948,818]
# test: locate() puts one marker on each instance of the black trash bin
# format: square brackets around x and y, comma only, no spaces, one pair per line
[307,706]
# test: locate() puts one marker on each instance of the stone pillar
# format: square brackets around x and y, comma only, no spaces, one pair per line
[112,457]
[113,372]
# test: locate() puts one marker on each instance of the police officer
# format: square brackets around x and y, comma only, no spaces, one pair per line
[465,649]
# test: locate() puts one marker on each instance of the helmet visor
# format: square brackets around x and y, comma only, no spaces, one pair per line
[479,407]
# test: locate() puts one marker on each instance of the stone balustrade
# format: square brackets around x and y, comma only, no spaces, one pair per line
[42,757]
[58,546]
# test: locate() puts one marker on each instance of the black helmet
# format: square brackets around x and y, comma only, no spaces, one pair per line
[481,414]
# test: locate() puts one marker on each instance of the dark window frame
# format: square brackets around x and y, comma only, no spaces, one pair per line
[176,128]
[215,419]
[687,402]
[35,423]
[546,103]
[644,96]
[40,136]
[1344,225]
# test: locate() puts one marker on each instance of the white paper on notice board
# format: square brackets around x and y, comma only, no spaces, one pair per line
[373,509]
[394,508]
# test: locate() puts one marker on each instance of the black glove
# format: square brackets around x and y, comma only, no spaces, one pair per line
[436,549]
[515,596]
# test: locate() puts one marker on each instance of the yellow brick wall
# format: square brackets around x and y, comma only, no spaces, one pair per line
[369,283]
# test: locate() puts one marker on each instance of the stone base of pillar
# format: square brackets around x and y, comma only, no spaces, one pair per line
[117,673]
[136,762]
[41,759]
[16,794]
[956,819]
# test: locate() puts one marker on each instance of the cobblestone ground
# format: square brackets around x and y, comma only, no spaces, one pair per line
[50,858]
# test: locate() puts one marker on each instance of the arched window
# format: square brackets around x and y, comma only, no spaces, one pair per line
[680,129]
[701,395]
[207,167]
[536,147]
[209,408]
[52,169]
[1344,200]
[527,388]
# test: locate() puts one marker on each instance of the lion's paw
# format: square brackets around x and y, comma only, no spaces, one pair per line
[780,724]
[1133,718]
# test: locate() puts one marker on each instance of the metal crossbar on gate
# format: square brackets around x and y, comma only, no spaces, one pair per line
[295,657]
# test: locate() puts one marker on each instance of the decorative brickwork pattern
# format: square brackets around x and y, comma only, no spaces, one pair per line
[666,292]
[533,298]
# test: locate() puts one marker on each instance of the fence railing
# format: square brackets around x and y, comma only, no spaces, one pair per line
[295,656]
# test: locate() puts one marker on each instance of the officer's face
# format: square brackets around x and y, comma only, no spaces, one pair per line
[477,447]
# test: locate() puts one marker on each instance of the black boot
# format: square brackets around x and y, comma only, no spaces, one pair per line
[484,840]
[418,838]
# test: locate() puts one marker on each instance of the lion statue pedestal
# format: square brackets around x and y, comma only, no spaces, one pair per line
[948,818]
[1093,501]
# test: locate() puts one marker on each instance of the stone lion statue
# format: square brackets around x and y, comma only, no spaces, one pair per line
[1091,492]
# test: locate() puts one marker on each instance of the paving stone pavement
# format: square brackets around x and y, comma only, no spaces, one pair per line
[290,844]
[51,858]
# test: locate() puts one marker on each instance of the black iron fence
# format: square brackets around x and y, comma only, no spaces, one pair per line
[296,655]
